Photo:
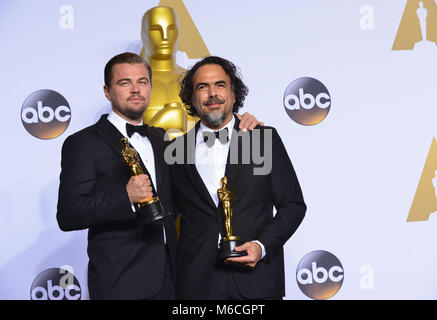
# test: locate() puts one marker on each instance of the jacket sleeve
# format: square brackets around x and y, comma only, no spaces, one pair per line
[287,198]
[80,205]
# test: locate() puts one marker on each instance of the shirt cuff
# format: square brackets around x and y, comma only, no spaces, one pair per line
[263,249]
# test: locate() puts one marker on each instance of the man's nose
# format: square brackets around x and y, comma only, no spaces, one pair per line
[134,88]
[212,92]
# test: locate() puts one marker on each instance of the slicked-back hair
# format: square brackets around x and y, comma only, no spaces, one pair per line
[238,87]
[127,57]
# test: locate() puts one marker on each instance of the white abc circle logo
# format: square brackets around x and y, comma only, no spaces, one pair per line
[55,284]
[320,275]
[45,114]
[307,101]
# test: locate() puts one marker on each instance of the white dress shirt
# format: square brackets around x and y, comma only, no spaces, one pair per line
[142,145]
[211,163]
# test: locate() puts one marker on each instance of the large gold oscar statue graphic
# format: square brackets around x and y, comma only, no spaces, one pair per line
[165,30]
[159,35]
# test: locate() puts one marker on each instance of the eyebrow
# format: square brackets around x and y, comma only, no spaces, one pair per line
[128,79]
[207,84]
[124,79]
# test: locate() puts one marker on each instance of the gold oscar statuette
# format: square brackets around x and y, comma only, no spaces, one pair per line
[229,242]
[150,209]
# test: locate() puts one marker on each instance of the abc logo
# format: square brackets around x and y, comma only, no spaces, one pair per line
[319,275]
[45,114]
[307,101]
[55,284]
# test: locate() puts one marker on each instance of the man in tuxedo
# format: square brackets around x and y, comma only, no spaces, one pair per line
[213,90]
[127,259]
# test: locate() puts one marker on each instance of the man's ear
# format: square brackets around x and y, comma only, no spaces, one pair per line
[106,91]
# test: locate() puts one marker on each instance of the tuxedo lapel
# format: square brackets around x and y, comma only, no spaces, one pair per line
[233,164]
[190,167]
[109,133]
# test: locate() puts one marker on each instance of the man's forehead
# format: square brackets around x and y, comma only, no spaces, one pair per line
[130,70]
[211,72]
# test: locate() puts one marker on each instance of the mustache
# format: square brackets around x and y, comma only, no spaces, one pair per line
[136,97]
[213,100]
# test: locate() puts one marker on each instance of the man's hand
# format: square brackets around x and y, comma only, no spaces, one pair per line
[253,255]
[248,121]
[139,188]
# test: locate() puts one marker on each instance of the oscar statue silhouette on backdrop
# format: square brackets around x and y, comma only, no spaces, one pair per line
[422,15]
[418,27]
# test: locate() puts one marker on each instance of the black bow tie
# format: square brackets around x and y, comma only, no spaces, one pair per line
[209,137]
[142,130]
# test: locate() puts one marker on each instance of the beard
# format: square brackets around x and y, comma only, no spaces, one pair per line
[131,114]
[214,119]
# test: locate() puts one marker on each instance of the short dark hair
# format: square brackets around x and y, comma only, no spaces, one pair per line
[127,57]
[238,87]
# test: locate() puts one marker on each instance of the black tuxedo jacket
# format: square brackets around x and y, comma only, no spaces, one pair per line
[254,198]
[126,260]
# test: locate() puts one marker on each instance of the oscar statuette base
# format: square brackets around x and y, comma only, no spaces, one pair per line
[227,246]
[150,211]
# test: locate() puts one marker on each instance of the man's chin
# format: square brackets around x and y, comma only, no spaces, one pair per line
[133,115]
[214,119]
[130,113]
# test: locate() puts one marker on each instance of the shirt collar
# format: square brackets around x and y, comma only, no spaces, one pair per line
[119,122]
[203,128]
